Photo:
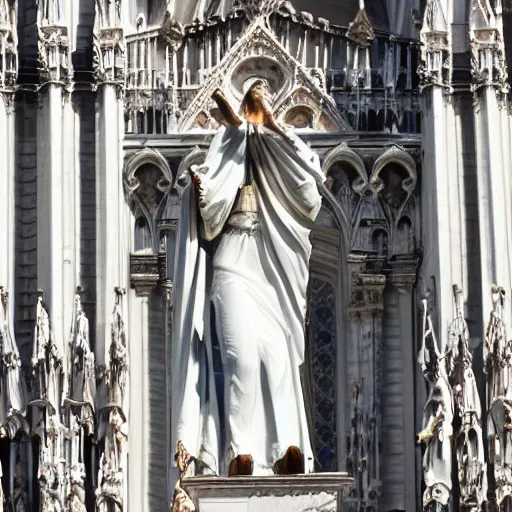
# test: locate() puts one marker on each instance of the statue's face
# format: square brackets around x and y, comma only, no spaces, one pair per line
[260,90]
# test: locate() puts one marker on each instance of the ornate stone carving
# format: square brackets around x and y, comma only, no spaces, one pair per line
[9,44]
[147,183]
[381,207]
[181,501]
[108,13]
[113,427]
[13,393]
[488,65]
[108,43]
[346,177]
[469,448]
[438,415]
[366,306]
[48,370]
[258,49]
[393,180]
[498,370]
[436,65]
[53,52]
[360,30]
[53,42]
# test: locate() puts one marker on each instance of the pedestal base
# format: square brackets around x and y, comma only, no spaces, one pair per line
[319,492]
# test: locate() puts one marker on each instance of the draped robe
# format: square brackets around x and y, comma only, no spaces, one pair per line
[250,295]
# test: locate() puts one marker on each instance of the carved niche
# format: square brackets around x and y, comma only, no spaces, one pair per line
[393,181]
[380,206]
[147,183]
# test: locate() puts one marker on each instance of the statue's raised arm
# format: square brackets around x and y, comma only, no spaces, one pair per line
[227,112]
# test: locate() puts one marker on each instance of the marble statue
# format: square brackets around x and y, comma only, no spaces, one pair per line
[240,282]
[438,415]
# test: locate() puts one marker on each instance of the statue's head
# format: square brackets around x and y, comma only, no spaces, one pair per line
[256,97]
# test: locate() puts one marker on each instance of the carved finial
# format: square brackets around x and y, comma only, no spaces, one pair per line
[360,30]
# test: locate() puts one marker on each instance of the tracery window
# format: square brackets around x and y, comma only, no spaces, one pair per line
[322,365]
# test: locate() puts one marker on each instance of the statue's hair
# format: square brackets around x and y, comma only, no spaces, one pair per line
[251,102]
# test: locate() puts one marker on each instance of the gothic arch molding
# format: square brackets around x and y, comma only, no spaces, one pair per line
[398,156]
[147,181]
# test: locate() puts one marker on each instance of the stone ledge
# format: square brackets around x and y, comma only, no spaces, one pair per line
[294,493]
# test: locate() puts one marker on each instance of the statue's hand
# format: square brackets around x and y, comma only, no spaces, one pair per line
[218,94]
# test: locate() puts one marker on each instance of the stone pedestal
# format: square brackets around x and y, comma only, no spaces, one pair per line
[322,492]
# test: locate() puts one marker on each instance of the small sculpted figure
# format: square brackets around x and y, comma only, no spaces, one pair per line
[437,419]
[498,369]
[242,268]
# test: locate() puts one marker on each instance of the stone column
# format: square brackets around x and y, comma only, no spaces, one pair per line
[364,376]
[441,201]
[8,75]
[56,176]
[112,255]
[403,283]
[492,141]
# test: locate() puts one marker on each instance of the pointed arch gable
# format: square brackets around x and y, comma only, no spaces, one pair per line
[255,53]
